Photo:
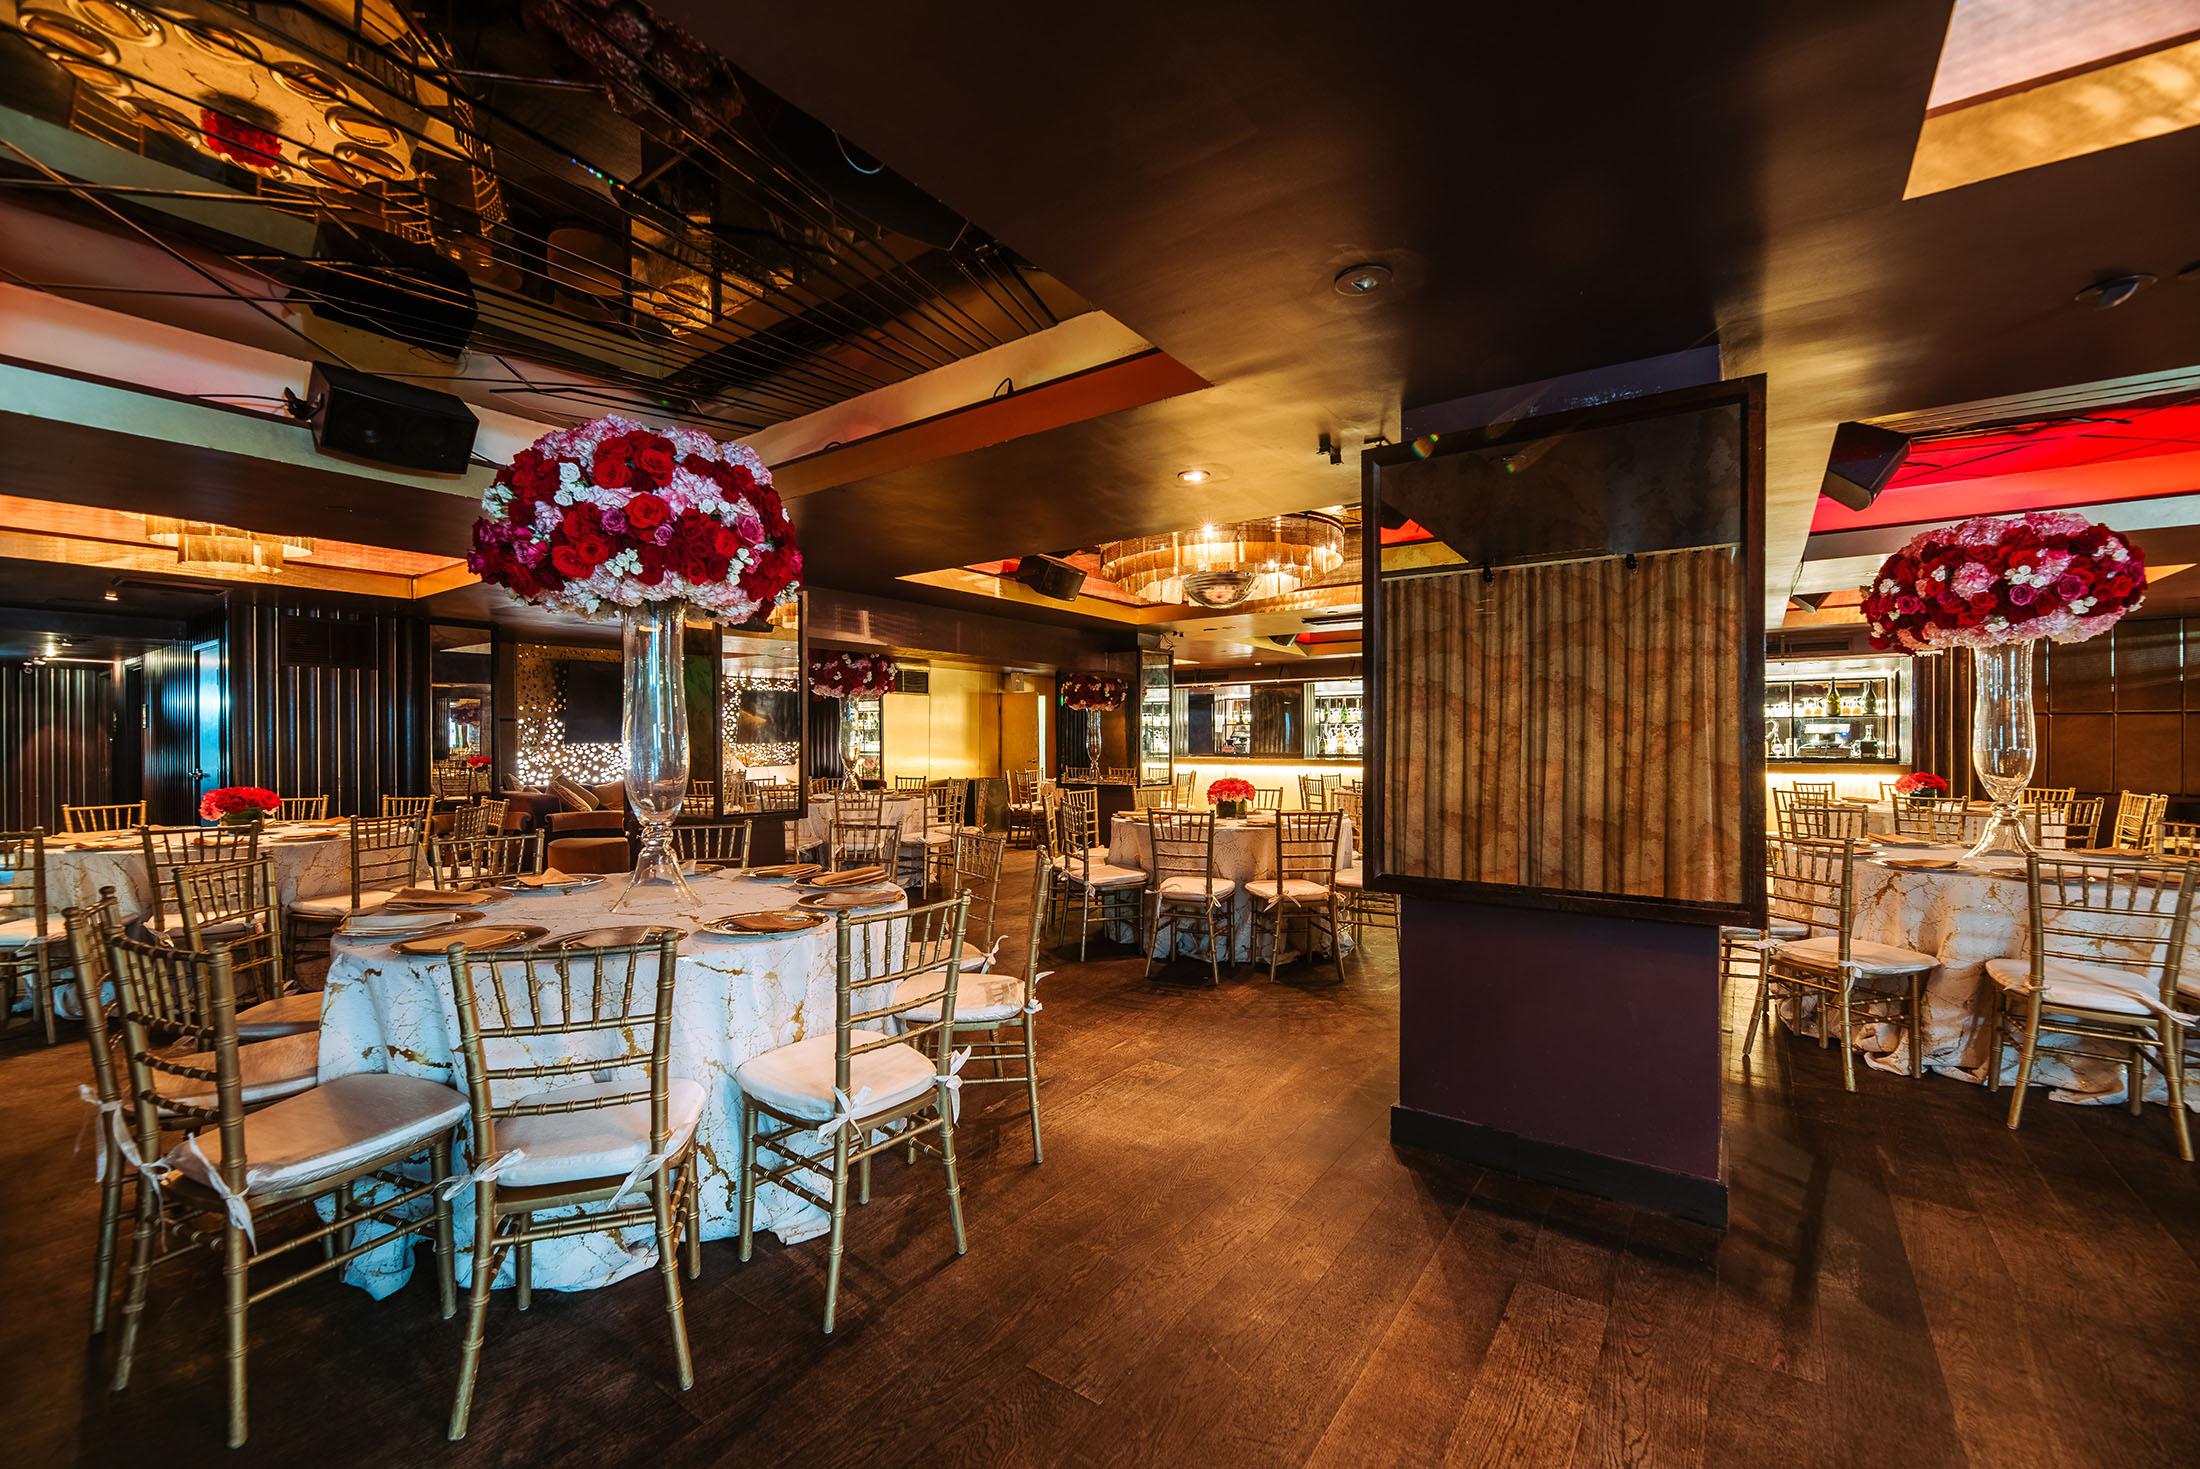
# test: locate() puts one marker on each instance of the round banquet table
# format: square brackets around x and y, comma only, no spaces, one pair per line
[310,862]
[1244,850]
[1964,917]
[1975,816]
[734,999]
[907,812]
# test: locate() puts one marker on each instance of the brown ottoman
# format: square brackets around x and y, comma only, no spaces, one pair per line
[577,855]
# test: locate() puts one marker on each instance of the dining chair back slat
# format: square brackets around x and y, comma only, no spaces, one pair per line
[115,816]
[302,808]
[713,841]
[2137,815]
[167,848]
[232,906]
[460,863]
[863,844]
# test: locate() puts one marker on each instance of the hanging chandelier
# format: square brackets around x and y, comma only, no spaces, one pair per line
[224,547]
[1228,565]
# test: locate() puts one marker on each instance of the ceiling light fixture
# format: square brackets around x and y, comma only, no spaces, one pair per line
[1227,566]
[224,547]
[1361,281]
[1194,476]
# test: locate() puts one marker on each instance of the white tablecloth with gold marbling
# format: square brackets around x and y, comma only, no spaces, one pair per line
[907,812]
[734,1000]
[310,862]
[1964,917]
[1244,850]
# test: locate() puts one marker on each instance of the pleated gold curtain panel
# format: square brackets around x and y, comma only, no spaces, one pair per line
[1571,726]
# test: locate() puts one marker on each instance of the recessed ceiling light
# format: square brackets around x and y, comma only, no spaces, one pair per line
[112,595]
[1358,281]
[1194,476]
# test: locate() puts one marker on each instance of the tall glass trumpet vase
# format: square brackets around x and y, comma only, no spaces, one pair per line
[656,731]
[1092,741]
[2003,750]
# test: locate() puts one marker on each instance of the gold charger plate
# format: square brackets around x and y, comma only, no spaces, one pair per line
[778,872]
[616,936]
[844,900]
[481,936]
[1920,864]
[425,923]
[771,923]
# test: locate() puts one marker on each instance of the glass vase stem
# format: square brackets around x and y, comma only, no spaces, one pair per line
[655,727]
[2003,748]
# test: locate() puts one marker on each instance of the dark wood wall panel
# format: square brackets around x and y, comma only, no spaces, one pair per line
[328,701]
[170,722]
[56,725]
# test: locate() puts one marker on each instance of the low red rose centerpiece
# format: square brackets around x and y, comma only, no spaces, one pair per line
[1921,785]
[477,762]
[654,526]
[239,805]
[851,675]
[1997,585]
[1230,796]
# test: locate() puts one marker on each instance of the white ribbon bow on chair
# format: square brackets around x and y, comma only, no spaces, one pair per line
[951,1082]
[104,1113]
[1032,1005]
[482,1172]
[645,1168]
[846,1116]
[240,1212]
[985,965]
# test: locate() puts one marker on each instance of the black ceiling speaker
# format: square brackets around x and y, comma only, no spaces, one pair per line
[388,422]
[1050,576]
[1864,459]
[379,283]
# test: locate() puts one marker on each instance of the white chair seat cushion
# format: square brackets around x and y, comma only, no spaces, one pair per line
[269,1069]
[21,932]
[606,1142]
[927,955]
[1351,878]
[979,998]
[283,1015]
[1297,889]
[1194,888]
[338,905]
[1101,874]
[797,1080]
[1824,952]
[332,1129]
[940,836]
[2074,982]
[1781,929]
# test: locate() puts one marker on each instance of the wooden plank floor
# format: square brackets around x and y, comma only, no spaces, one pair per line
[1223,1262]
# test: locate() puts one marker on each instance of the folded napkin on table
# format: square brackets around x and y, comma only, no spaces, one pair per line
[386,922]
[433,898]
[548,877]
[854,877]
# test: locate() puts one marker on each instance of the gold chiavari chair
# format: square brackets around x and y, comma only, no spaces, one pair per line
[1939,821]
[782,801]
[864,844]
[167,848]
[573,1105]
[412,808]
[226,1184]
[826,785]
[1820,791]
[26,944]
[1305,884]
[301,808]
[1813,884]
[1331,783]
[1078,824]
[1182,883]
[861,1081]
[385,858]
[449,780]
[461,863]
[702,798]
[2136,817]
[468,822]
[89,928]
[1360,909]
[2177,839]
[1023,805]
[1117,775]
[1350,805]
[932,856]
[1183,784]
[2121,994]
[2070,826]
[1827,821]
[2047,795]
[725,842]
[986,1000]
[1153,797]
[1079,774]
[1084,873]
[739,794]
[976,875]
[909,782]
[1312,795]
[1267,798]
[119,816]
[860,807]
[232,906]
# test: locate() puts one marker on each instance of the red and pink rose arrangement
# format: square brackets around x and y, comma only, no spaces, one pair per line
[1093,691]
[851,675]
[1921,785]
[613,514]
[2005,579]
[1229,788]
[238,804]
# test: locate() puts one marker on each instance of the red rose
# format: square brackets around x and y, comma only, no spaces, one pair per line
[571,560]
[652,456]
[646,512]
[610,470]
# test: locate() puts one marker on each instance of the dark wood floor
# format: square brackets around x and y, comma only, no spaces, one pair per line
[1223,1261]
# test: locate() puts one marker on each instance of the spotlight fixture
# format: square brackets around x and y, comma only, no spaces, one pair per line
[1361,281]
[1193,476]
[110,595]
[2113,291]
